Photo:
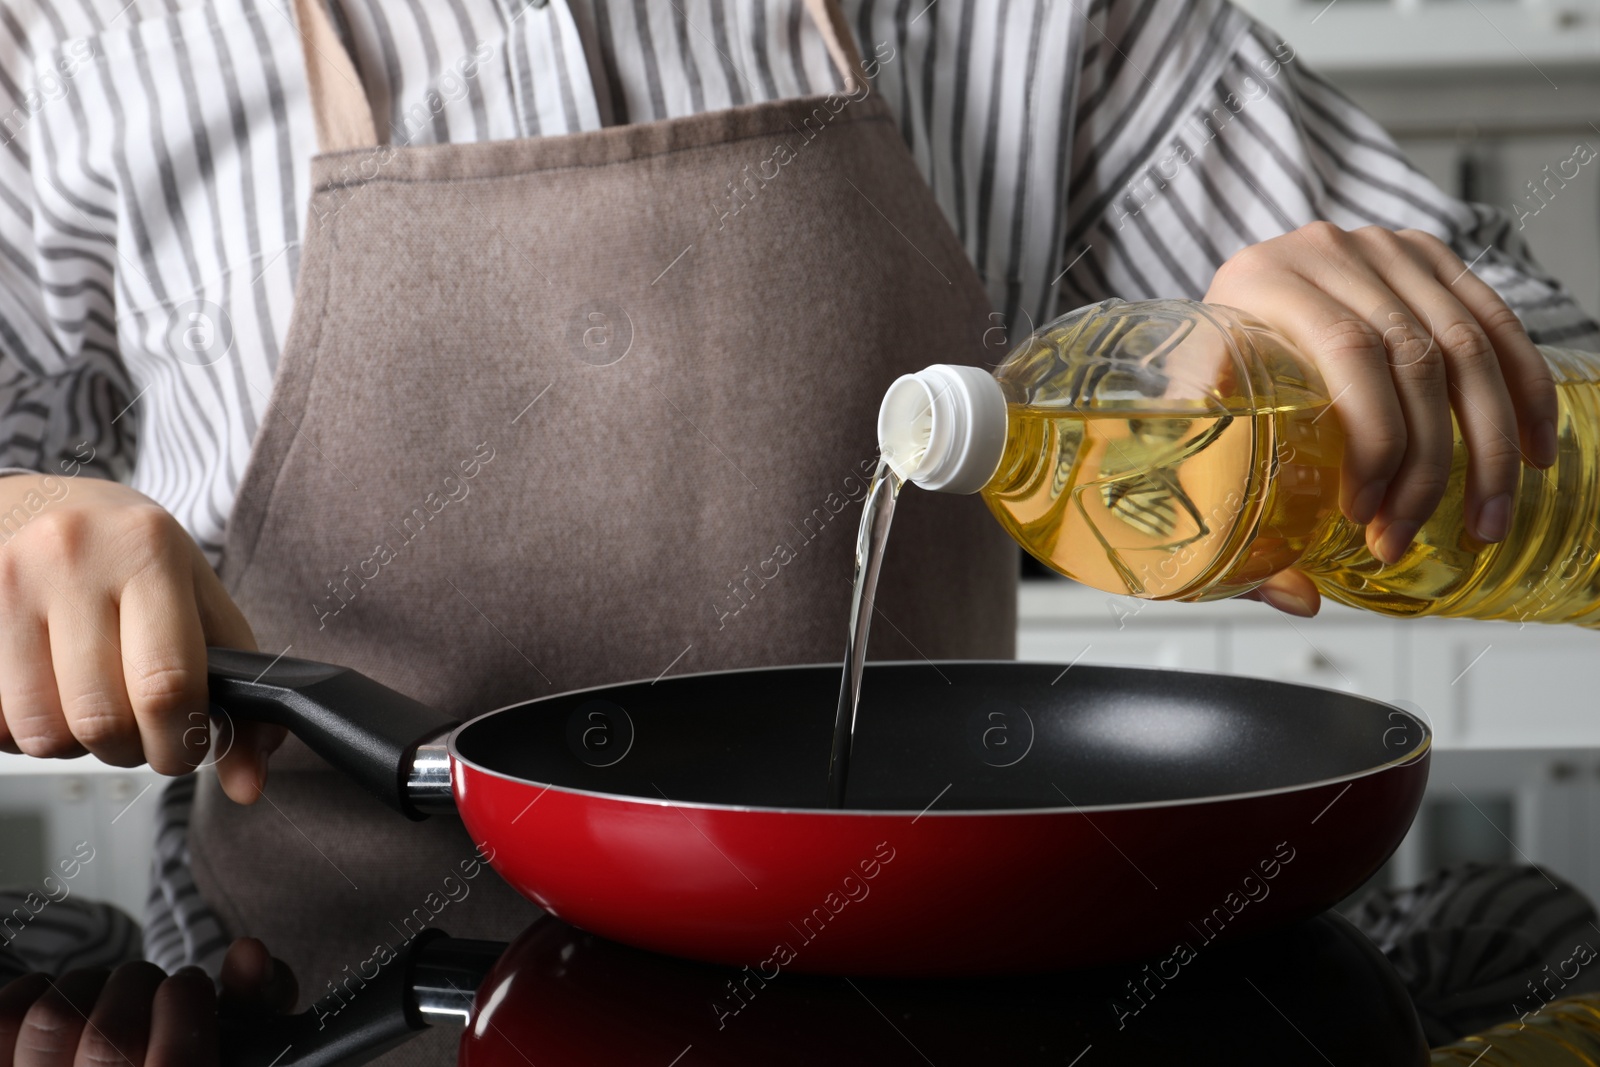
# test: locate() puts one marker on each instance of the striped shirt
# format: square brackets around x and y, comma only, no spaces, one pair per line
[1477,945]
[154,176]
[46,928]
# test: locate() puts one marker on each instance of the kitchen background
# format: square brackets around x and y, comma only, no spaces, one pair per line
[1483,95]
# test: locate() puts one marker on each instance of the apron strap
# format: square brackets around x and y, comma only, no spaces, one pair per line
[338,99]
[344,117]
[841,43]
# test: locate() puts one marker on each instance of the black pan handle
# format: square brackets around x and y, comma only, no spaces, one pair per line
[363,1018]
[366,730]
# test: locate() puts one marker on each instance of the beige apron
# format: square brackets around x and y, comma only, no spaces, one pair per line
[573,410]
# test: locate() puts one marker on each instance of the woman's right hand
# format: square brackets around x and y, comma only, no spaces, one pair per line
[106,609]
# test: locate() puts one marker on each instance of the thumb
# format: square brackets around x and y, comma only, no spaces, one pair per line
[1291,592]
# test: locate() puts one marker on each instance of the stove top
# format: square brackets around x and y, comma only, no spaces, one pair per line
[1310,993]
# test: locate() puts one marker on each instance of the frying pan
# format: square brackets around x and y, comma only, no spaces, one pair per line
[1001,818]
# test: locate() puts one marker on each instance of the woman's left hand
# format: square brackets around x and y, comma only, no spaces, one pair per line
[1403,333]
[137,1015]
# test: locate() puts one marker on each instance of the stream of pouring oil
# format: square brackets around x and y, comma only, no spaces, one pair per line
[876,514]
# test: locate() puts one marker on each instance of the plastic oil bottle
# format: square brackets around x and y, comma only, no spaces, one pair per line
[1174,450]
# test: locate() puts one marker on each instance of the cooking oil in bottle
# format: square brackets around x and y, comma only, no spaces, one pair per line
[1174,450]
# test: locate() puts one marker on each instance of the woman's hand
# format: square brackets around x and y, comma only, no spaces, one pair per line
[136,1015]
[106,608]
[1404,334]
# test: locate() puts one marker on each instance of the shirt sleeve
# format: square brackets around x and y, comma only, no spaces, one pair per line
[1200,131]
[64,391]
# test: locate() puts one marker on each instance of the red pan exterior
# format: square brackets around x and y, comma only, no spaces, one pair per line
[937,894]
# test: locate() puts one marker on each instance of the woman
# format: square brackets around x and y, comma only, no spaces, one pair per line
[590,312]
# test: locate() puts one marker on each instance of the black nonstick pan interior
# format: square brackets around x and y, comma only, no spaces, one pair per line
[976,735]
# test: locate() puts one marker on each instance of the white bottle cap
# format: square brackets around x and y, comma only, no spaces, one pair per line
[944,428]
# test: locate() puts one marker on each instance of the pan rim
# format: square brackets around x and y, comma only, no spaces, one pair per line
[1423,751]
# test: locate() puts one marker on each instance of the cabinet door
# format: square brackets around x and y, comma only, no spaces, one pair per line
[1406,35]
[1489,685]
[1562,219]
[1141,645]
[1357,658]
[91,834]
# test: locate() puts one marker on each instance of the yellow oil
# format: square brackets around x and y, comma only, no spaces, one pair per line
[1205,498]
[1565,1033]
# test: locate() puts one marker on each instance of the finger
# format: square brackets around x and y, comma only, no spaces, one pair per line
[1292,593]
[243,747]
[183,1022]
[1417,367]
[1351,357]
[242,750]
[164,668]
[1483,407]
[246,969]
[29,699]
[87,656]
[223,622]
[1421,383]
[252,979]
[53,1025]
[15,1000]
[119,1026]
[1527,375]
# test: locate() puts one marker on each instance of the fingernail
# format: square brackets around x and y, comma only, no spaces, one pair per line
[1286,602]
[1367,501]
[1544,443]
[1396,539]
[1494,518]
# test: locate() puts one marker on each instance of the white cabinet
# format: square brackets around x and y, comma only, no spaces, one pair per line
[1500,685]
[50,818]
[1148,646]
[1565,232]
[1526,805]
[1333,654]
[1429,34]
